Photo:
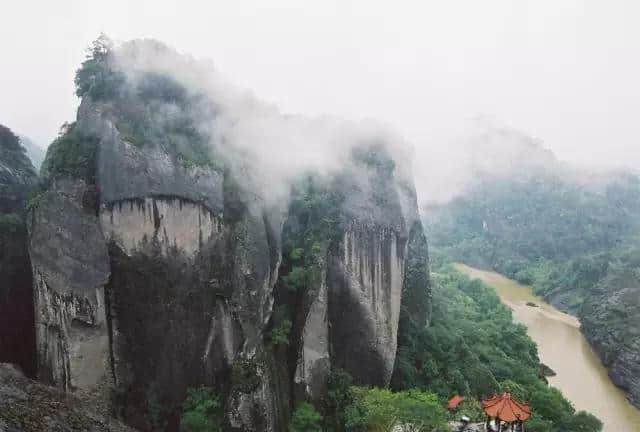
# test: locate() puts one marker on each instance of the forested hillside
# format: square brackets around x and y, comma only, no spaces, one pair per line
[473,348]
[573,238]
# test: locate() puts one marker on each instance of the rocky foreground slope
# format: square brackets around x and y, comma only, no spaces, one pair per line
[28,406]
[162,258]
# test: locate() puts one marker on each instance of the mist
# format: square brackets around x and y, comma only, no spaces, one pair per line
[563,73]
[271,149]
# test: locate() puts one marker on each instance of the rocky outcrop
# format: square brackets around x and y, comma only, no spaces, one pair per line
[366,287]
[610,322]
[351,309]
[173,223]
[28,406]
[146,287]
[17,175]
[17,179]
[70,270]
[313,365]
[156,270]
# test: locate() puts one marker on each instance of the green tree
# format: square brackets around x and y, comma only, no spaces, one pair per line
[584,422]
[549,403]
[201,411]
[518,391]
[378,407]
[305,418]
[537,424]
[96,77]
[471,408]
[280,332]
[341,414]
[380,410]
[475,349]
[297,279]
[419,411]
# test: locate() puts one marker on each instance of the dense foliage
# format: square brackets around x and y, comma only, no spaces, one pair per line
[314,215]
[148,110]
[548,231]
[474,348]
[72,154]
[351,408]
[305,418]
[314,221]
[201,411]
[381,410]
[96,77]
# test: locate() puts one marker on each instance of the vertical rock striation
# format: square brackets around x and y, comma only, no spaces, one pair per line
[351,310]
[366,277]
[155,269]
[70,270]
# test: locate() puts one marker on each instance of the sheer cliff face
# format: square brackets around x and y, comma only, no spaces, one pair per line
[70,269]
[17,178]
[143,284]
[348,316]
[155,268]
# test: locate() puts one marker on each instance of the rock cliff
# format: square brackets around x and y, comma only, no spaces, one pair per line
[160,262]
[17,178]
[611,323]
[348,316]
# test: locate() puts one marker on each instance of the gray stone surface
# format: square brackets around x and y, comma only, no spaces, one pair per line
[17,179]
[354,307]
[167,282]
[171,222]
[611,324]
[365,278]
[125,171]
[70,268]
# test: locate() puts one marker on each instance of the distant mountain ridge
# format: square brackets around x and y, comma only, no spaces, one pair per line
[34,151]
[572,234]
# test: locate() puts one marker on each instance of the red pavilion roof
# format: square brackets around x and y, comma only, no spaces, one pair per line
[454,402]
[506,408]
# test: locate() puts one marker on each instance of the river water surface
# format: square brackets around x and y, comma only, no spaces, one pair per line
[580,374]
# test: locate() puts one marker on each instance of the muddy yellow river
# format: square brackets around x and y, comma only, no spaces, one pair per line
[580,375]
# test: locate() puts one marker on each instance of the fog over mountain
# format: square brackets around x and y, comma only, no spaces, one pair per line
[564,73]
[319,216]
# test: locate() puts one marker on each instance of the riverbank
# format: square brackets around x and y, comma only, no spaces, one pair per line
[580,375]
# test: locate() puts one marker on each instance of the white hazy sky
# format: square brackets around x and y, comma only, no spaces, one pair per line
[565,71]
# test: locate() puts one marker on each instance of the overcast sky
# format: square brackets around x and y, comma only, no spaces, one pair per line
[564,71]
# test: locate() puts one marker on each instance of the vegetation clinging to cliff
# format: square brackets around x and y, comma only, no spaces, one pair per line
[96,77]
[149,109]
[201,411]
[305,418]
[314,222]
[315,208]
[72,154]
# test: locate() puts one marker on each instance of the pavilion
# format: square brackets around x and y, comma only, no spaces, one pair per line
[504,408]
[454,402]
